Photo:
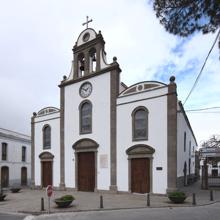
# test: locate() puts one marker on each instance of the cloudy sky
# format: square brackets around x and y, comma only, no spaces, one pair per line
[36,40]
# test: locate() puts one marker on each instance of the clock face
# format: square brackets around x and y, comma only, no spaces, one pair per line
[85,89]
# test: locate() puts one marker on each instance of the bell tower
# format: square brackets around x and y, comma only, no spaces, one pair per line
[89,53]
[102,80]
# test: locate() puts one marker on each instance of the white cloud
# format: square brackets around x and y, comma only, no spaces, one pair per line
[36,51]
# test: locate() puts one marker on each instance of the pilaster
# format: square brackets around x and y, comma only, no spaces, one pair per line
[172,136]
[62,146]
[33,151]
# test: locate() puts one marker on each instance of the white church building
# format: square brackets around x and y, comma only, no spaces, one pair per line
[106,136]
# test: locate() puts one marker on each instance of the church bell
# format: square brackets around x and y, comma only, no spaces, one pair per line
[82,68]
[94,58]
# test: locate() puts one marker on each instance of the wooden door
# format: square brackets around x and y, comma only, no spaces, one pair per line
[86,171]
[24,176]
[140,175]
[4,177]
[46,173]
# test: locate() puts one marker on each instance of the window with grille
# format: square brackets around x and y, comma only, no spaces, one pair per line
[4,151]
[47,137]
[140,123]
[86,118]
[23,157]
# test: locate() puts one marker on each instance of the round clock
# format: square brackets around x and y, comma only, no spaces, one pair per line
[85,89]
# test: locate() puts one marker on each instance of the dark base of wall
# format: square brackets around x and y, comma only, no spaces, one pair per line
[62,186]
[190,180]
[180,182]
[113,188]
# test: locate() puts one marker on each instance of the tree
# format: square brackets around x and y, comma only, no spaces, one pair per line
[184,17]
[213,141]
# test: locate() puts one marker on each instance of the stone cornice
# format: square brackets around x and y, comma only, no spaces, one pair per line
[89,44]
[112,66]
[15,138]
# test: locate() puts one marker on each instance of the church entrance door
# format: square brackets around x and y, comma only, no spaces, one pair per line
[24,176]
[86,171]
[4,177]
[140,175]
[46,173]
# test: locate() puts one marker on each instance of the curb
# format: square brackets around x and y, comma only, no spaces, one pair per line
[29,217]
[115,209]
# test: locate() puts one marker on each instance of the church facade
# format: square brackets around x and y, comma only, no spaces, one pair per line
[109,137]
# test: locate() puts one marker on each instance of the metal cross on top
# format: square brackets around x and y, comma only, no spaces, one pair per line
[87,21]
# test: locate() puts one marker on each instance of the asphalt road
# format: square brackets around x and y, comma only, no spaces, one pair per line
[11,217]
[211,212]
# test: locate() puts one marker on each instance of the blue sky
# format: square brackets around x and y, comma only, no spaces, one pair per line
[36,51]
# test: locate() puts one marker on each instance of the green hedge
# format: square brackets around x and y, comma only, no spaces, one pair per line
[177,194]
[67,198]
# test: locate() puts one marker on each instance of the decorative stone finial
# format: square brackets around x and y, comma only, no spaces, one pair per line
[114,59]
[99,32]
[172,79]
[34,114]
[64,77]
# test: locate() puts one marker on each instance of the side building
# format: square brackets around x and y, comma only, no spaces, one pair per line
[15,152]
[186,149]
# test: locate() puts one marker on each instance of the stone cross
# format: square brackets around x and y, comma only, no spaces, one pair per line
[87,21]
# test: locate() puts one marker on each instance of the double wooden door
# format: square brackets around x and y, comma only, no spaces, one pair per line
[4,177]
[140,175]
[86,171]
[46,173]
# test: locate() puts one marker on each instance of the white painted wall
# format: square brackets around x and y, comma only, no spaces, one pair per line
[54,121]
[100,99]
[182,156]
[103,60]
[157,136]
[14,157]
[92,36]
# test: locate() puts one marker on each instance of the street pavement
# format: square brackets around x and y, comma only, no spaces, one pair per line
[29,201]
[209,212]
[12,216]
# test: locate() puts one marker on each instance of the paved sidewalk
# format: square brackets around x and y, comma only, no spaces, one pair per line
[28,201]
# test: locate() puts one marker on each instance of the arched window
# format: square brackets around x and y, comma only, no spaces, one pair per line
[140,123]
[85,117]
[47,137]
[23,154]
